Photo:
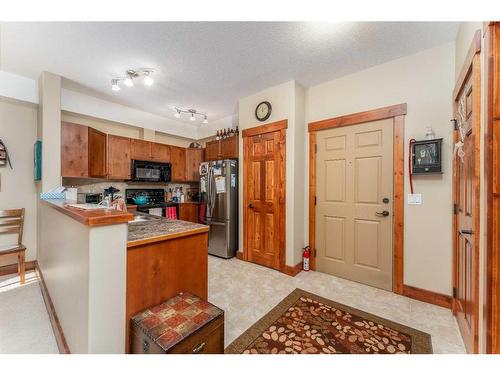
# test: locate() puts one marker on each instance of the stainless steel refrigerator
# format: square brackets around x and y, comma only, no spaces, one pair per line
[219,190]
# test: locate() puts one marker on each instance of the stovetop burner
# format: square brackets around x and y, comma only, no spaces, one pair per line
[154,196]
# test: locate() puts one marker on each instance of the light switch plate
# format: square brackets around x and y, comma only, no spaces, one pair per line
[414,198]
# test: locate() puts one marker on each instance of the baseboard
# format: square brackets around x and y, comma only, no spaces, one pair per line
[427,296]
[292,270]
[12,268]
[239,255]
[54,320]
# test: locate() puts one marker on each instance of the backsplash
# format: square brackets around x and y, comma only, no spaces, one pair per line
[98,186]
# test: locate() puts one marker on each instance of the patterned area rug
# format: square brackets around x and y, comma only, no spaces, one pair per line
[304,323]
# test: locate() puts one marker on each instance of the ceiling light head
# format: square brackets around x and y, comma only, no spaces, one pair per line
[148,81]
[114,85]
[128,82]
[192,117]
[177,113]
[205,120]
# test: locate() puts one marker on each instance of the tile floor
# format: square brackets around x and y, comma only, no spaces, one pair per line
[246,292]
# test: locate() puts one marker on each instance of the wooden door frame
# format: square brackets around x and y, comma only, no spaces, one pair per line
[491,179]
[280,126]
[397,112]
[472,65]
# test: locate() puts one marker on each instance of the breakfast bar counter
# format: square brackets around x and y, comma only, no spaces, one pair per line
[148,229]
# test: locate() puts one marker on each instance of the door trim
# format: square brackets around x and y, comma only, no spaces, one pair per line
[397,112]
[492,181]
[472,66]
[280,126]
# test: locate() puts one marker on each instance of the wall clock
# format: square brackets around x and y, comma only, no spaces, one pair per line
[263,111]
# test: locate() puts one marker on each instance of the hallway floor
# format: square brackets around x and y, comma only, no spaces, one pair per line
[246,292]
[24,323]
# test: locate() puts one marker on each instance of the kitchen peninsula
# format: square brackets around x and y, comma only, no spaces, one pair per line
[106,265]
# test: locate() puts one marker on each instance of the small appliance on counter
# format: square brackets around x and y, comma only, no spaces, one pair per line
[89,197]
[150,201]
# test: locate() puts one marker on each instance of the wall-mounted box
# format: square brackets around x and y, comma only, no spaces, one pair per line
[426,156]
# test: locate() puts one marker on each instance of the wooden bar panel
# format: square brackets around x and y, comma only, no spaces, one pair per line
[157,272]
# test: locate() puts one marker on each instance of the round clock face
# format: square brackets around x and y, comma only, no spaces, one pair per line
[263,111]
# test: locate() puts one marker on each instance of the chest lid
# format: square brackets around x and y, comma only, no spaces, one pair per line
[175,319]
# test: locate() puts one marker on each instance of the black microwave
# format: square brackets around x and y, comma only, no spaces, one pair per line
[150,171]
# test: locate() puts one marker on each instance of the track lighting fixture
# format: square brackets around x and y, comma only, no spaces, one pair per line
[130,76]
[192,112]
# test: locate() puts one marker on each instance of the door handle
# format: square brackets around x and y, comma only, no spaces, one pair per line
[250,205]
[466,231]
[382,214]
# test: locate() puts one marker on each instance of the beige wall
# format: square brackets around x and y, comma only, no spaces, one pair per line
[288,102]
[49,122]
[425,82]
[116,128]
[18,129]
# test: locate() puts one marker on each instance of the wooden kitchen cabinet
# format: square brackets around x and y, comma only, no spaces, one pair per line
[222,149]
[160,152]
[194,157]
[74,150]
[178,160]
[140,150]
[229,148]
[119,151]
[188,211]
[212,150]
[97,151]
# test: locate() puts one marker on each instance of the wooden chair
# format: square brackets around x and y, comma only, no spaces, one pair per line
[12,221]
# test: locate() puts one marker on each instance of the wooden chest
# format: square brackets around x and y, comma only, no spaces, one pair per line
[184,324]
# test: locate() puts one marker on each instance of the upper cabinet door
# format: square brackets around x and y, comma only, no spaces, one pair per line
[119,149]
[194,156]
[178,158]
[141,150]
[97,153]
[229,148]
[74,150]
[160,152]
[212,150]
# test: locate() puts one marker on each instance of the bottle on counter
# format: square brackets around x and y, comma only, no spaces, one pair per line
[169,195]
[217,137]
[181,196]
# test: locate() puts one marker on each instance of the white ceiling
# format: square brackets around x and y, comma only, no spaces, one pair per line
[207,65]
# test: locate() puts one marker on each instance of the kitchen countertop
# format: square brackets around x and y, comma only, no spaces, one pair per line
[90,217]
[160,229]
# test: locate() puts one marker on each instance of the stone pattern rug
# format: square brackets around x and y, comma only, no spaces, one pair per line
[304,323]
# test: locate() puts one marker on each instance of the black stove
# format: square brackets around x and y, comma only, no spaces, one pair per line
[155,199]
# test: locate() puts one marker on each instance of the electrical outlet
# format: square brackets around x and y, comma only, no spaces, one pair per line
[415,199]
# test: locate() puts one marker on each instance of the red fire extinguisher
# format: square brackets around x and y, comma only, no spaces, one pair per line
[305,258]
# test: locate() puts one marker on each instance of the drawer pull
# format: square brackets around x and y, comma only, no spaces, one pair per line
[198,348]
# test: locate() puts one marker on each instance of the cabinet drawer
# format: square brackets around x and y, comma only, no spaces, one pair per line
[207,340]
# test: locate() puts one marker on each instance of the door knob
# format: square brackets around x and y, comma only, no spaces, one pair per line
[250,205]
[382,214]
